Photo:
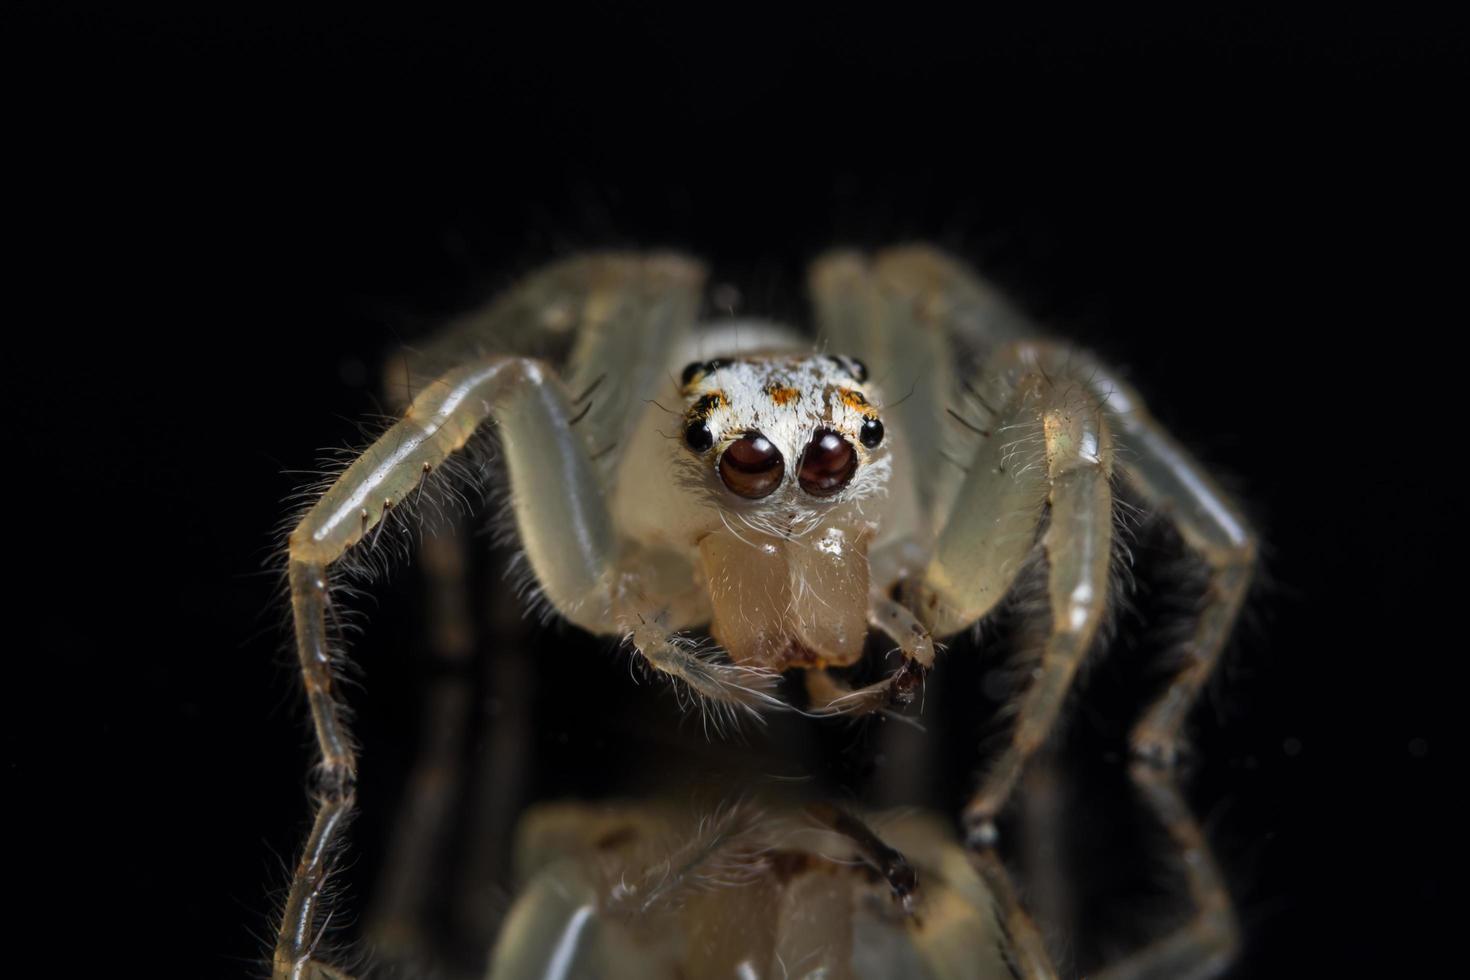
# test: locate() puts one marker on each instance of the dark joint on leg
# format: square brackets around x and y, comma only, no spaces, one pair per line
[907,682]
[888,862]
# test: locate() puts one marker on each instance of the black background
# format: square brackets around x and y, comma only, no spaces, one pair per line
[225,218]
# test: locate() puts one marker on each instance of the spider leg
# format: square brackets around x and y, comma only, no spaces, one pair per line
[1026,949]
[602,304]
[558,511]
[1205,945]
[1050,456]
[896,870]
[1211,526]
[720,689]
[606,319]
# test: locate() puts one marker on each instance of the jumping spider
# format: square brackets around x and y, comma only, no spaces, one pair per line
[736,502]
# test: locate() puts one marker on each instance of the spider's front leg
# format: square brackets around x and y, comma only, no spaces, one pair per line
[621,309]
[562,524]
[1048,453]
[568,539]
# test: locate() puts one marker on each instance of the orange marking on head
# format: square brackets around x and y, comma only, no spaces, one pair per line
[782,395]
[852,399]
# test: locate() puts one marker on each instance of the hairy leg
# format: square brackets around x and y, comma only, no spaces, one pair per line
[1172,482]
[703,676]
[1211,526]
[916,312]
[595,313]
[1048,452]
[559,513]
[606,319]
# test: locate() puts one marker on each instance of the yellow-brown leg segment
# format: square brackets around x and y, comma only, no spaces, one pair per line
[1027,951]
[1156,737]
[1205,945]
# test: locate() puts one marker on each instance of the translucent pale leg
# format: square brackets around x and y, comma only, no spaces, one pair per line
[1199,949]
[1053,447]
[1205,945]
[564,529]
[1211,526]
[562,525]
[1077,543]
[608,318]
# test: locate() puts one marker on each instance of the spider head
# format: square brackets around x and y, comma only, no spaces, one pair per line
[789,452]
[788,435]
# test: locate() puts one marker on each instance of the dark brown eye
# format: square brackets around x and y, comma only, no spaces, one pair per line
[752,466]
[827,464]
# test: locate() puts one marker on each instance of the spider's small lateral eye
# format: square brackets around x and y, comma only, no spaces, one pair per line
[871,433]
[698,436]
[752,466]
[860,370]
[827,464]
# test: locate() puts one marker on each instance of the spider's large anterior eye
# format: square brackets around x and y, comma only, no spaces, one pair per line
[752,466]
[827,464]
